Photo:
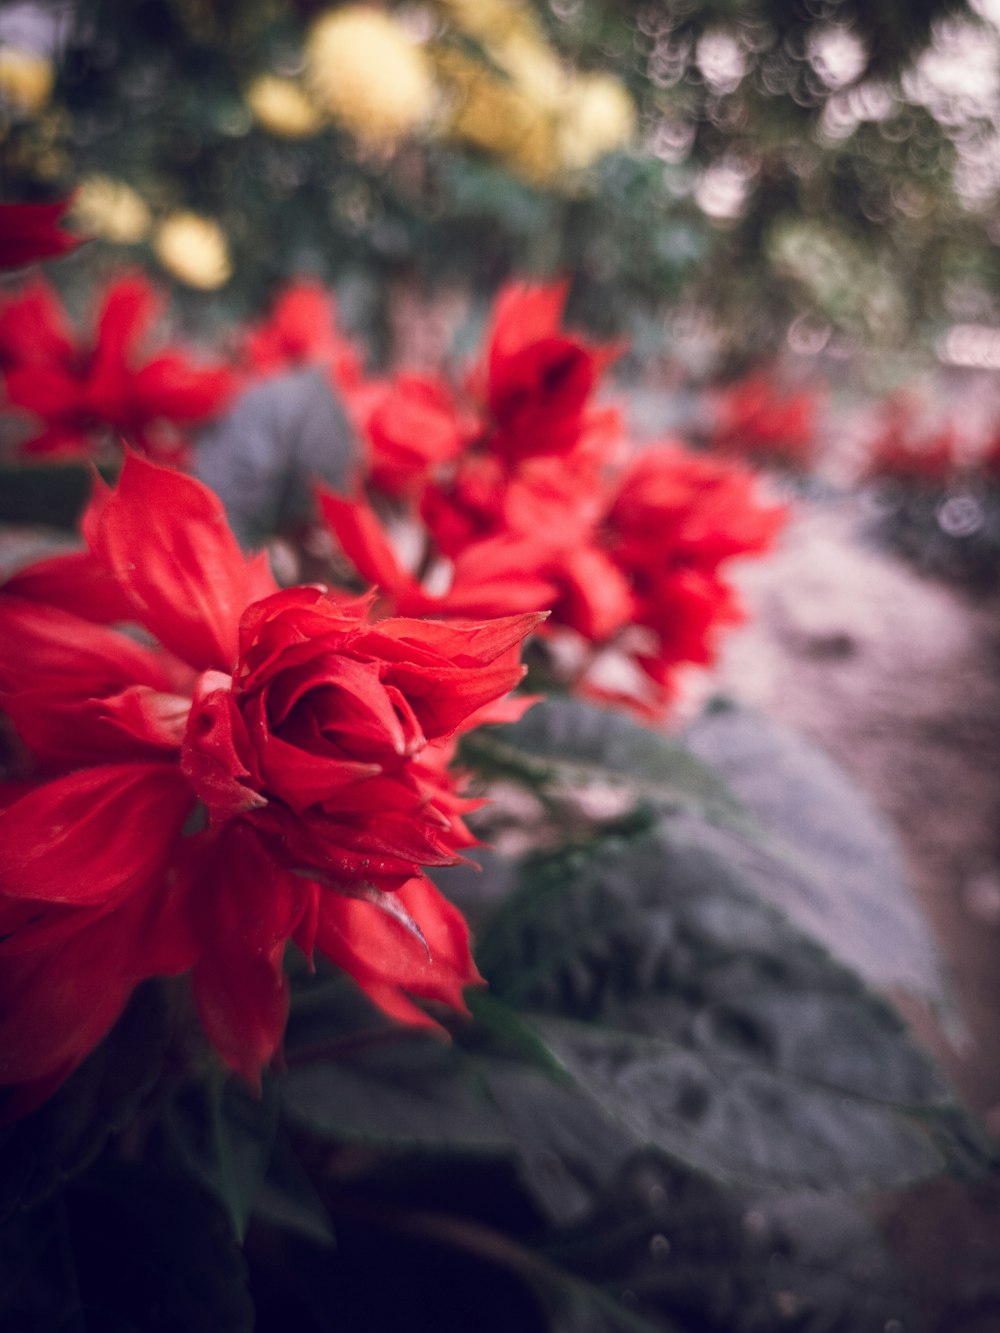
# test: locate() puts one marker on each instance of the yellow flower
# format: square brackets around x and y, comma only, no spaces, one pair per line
[490,21]
[366,73]
[112,210]
[515,118]
[25,80]
[598,116]
[282,107]
[193,249]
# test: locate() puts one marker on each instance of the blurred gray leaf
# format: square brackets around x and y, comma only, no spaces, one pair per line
[261,457]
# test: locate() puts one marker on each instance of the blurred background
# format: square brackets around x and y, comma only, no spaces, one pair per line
[788,212]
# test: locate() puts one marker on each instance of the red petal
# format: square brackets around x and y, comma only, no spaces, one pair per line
[251,908]
[362,539]
[76,583]
[93,836]
[73,657]
[216,749]
[31,231]
[166,539]
[389,962]
[68,732]
[171,388]
[34,329]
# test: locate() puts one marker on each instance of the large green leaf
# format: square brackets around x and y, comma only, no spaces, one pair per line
[775,806]
[671,1245]
[706,1025]
[493,1092]
[100,1099]
[823,854]
[577,745]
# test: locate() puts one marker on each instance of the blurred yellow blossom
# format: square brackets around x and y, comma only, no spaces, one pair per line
[112,210]
[499,117]
[598,116]
[193,249]
[367,74]
[25,80]
[282,107]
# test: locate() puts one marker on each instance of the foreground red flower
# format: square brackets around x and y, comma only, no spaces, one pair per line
[272,767]
[32,231]
[86,393]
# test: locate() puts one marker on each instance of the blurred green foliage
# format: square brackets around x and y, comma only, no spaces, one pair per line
[825,158]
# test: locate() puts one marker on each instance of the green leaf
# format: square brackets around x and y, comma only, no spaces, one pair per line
[100,1099]
[773,804]
[123,1249]
[579,745]
[823,855]
[288,1200]
[704,1024]
[677,1248]
[223,1136]
[494,1092]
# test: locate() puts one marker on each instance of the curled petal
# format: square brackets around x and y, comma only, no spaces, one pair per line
[215,749]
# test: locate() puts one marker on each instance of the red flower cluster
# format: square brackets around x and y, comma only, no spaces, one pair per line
[755,419]
[521,497]
[257,766]
[32,231]
[85,393]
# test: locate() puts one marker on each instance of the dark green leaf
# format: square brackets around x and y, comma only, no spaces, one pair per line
[579,745]
[677,1248]
[127,1250]
[223,1136]
[100,1099]
[824,855]
[494,1091]
[706,1025]
[287,1198]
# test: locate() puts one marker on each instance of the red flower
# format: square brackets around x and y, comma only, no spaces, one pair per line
[538,379]
[755,419]
[542,510]
[86,393]
[273,769]
[906,451]
[413,425]
[302,331]
[31,231]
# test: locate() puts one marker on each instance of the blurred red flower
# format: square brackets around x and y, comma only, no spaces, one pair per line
[907,449]
[87,392]
[32,231]
[756,419]
[302,331]
[545,508]
[537,380]
[413,424]
[260,766]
